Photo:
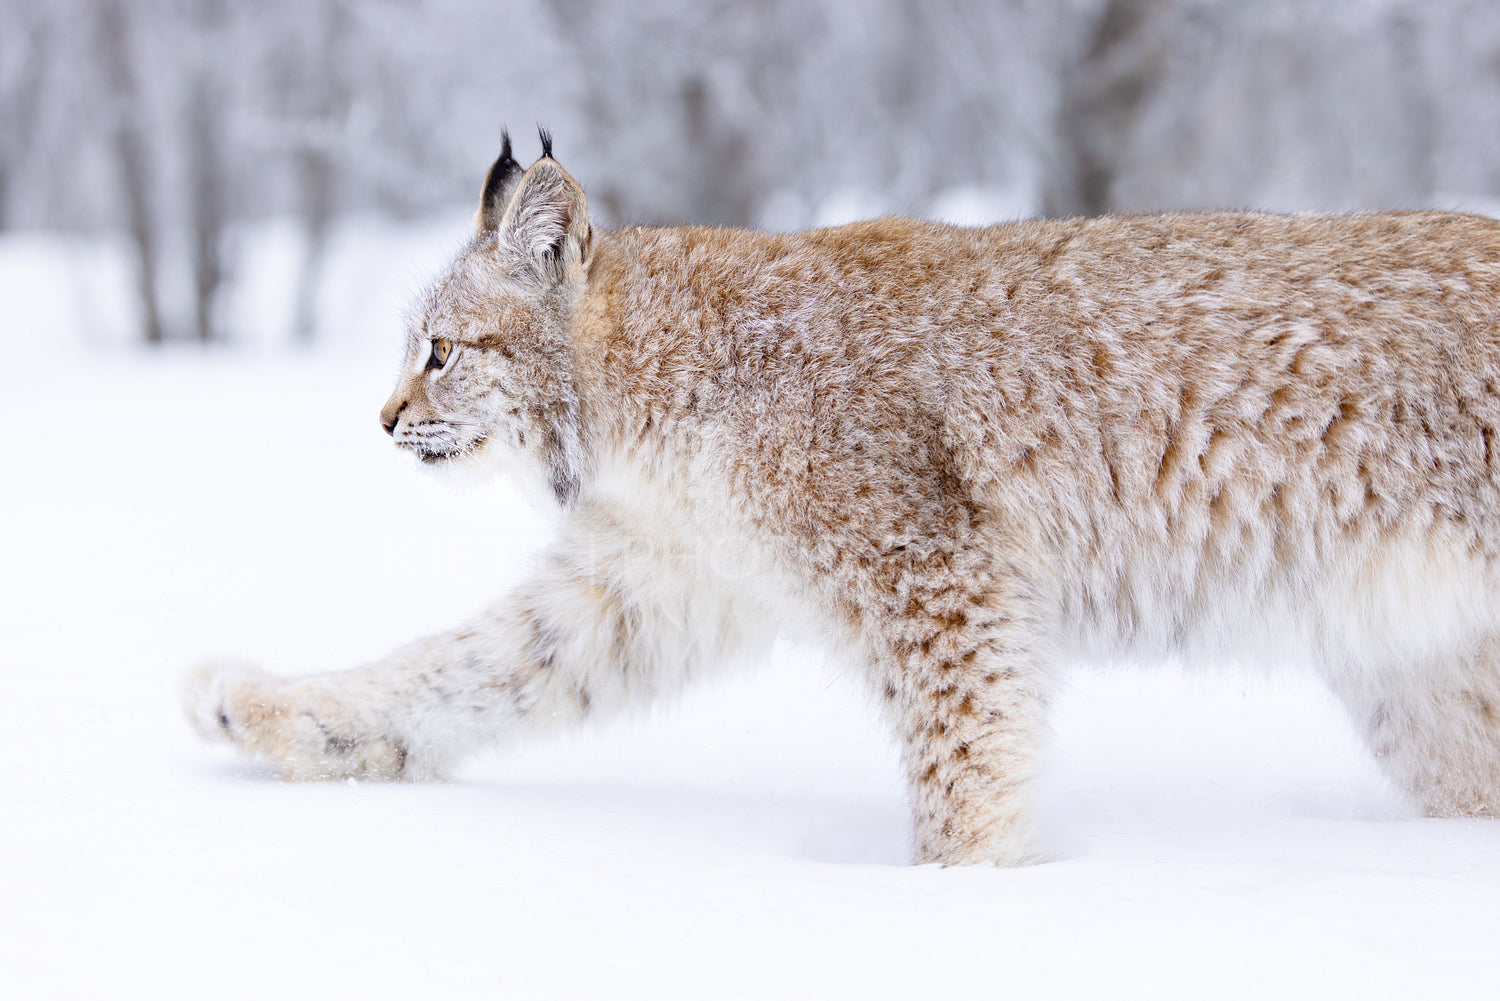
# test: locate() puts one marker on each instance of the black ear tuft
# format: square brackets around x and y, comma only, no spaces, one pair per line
[546,138]
[499,185]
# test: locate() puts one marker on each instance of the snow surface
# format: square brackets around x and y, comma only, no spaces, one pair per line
[1217,835]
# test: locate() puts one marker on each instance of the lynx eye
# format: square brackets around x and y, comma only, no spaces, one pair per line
[440,350]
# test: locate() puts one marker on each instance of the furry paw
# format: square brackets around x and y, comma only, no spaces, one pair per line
[207,692]
[307,734]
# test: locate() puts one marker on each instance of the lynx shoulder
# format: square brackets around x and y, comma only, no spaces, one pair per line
[962,458]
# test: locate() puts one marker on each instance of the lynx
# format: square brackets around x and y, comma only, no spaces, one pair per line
[961,459]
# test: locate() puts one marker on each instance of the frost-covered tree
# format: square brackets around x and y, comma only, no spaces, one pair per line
[174,120]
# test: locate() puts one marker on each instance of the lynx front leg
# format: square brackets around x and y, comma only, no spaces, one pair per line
[968,698]
[604,623]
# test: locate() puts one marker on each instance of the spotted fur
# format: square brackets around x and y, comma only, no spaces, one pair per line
[962,458]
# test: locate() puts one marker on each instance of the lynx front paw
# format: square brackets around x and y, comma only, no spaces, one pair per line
[206,695]
[306,735]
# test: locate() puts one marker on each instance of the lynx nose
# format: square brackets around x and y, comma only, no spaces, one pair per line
[389,414]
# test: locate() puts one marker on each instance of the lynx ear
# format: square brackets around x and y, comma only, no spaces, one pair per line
[548,220]
[499,185]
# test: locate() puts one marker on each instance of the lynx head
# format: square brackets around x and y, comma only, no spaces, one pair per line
[487,378]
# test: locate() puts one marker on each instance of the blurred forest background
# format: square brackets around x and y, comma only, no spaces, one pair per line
[174,127]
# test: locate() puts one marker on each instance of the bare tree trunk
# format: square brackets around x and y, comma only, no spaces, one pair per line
[128,144]
[1419,113]
[315,163]
[315,182]
[722,192]
[208,212]
[22,101]
[207,162]
[1102,98]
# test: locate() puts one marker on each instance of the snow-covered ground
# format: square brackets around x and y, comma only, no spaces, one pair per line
[1217,836]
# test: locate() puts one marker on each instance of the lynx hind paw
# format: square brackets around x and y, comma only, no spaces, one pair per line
[208,689]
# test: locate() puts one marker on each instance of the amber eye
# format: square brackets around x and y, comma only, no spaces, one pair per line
[440,351]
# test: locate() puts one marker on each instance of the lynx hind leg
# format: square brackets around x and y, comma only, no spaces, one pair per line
[967,698]
[289,723]
[1437,737]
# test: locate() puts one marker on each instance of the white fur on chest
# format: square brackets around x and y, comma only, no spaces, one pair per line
[703,546]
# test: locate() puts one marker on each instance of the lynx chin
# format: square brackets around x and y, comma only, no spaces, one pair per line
[961,457]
